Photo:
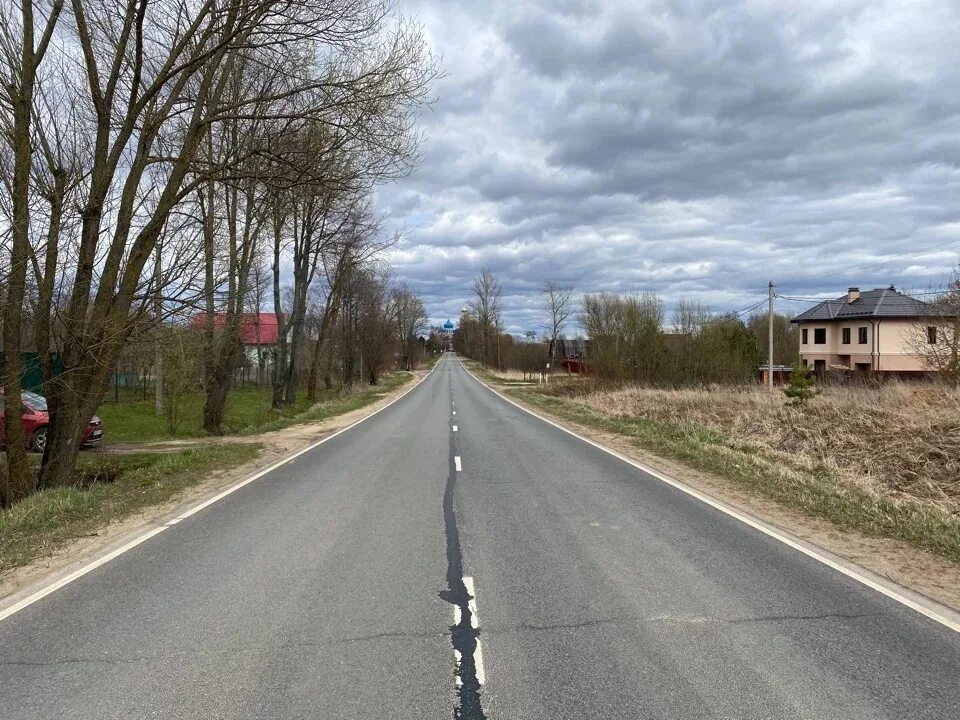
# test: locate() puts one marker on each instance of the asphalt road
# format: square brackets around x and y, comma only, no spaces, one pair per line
[346,584]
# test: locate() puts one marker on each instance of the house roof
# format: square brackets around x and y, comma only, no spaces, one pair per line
[878,303]
[255,328]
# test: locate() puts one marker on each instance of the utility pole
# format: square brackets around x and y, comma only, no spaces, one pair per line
[770,287]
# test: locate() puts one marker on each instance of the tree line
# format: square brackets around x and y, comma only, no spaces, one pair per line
[167,160]
[628,338]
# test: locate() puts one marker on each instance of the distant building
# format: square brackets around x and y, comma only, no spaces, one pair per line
[875,331]
[259,333]
[448,328]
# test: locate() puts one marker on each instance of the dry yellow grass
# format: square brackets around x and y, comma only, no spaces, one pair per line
[895,440]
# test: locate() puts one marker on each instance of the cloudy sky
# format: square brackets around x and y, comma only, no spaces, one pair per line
[695,149]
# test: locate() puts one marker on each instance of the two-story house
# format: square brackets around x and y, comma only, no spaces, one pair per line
[873,331]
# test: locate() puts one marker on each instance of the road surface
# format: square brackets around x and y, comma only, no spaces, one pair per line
[455,554]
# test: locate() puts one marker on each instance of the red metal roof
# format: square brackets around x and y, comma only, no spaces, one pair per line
[255,327]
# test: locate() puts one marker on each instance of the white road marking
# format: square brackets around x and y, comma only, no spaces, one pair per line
[454,412]
[193,510]
[472,602]
[478,664]
[455,428]
[456,463]
[905,596]
[475,623]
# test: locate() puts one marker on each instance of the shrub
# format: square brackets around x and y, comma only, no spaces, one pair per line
[800,389]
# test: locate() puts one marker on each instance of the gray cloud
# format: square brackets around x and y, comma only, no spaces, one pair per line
[695,149]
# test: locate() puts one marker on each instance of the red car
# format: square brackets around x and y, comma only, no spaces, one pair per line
[36,419]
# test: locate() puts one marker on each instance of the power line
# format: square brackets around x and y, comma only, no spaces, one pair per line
[797,298]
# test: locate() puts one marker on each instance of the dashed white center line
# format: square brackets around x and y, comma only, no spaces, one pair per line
[475,622]
[455,428]
[456,462]
[472,603]
[454,412]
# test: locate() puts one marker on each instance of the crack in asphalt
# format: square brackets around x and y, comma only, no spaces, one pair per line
[676,620]
[306,644]
[463,635]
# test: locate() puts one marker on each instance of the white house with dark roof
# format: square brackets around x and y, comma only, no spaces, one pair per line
[871,331]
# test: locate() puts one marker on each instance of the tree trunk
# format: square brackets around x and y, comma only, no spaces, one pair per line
[297,320]
[18,482]
[158,310]
[73,398]
[214,409]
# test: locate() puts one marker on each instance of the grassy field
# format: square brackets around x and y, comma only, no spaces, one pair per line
[248,411]
[884,461]
[111,488]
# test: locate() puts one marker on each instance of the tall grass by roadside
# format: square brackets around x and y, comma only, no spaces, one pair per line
[881,460]
[108,488]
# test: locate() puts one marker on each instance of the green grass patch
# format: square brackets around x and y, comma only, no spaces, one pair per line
[248,411]
[816,493]
[335,405]
[109,488]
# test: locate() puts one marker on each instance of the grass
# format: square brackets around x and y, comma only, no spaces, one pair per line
[248,411]
[505,378]
[882,461]
[109,488]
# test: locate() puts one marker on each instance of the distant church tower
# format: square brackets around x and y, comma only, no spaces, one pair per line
[448,335]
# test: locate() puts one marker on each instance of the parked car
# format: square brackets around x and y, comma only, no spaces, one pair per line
[36,419]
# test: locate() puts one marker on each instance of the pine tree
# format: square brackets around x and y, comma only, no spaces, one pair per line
[801,384]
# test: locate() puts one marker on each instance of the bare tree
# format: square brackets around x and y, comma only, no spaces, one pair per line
[152,85]
[24,42]
[935,339]
[559,306]
[487,308]
[410,319]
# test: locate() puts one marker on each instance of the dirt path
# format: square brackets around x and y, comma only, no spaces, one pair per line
[276,445]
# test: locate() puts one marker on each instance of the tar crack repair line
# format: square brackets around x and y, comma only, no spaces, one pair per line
[463,633]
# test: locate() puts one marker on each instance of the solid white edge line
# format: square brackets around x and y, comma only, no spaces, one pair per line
[457,464]
[935,611]
[104,559]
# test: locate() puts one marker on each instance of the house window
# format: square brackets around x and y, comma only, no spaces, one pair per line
[804,334]
[862,335]
[846,336]
[932,335]
[819,336]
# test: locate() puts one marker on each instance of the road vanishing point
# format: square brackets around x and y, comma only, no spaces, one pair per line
[455,556]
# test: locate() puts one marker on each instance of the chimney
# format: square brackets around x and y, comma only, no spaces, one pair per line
[853,294]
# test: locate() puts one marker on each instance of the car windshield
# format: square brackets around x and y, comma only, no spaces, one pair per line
[37,402]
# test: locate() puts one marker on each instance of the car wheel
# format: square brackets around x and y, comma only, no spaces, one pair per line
[38,441]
